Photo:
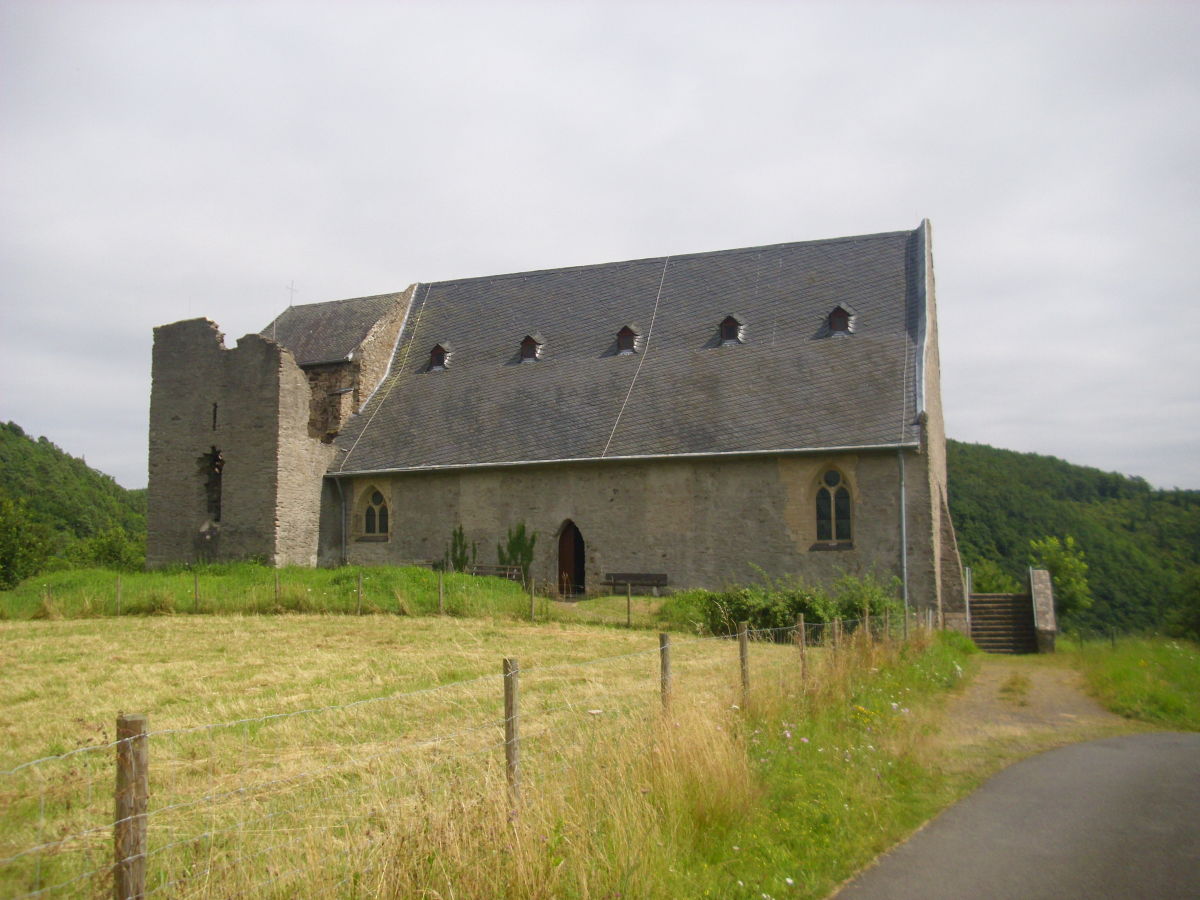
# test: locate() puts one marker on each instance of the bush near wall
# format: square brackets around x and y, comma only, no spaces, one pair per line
[777,603]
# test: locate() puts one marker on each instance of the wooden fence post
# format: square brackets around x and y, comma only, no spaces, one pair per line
[628,605]
[441,594]
[532,606]
[867,622]
[196,590]
[664,674]
[358,610]
[129,830]
[744,658]
[118,595]
[512,737]
[802,635]
[277,588]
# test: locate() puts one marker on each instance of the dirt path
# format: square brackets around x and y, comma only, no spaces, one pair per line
[1019,697]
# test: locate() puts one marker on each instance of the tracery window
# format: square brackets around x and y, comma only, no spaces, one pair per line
[375,515]
[834,509]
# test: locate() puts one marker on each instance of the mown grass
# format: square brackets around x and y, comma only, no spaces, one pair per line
[783,793]
[1152,679]
[246,588]
[251,589]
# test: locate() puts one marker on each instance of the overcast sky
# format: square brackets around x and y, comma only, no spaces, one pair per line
[161,161]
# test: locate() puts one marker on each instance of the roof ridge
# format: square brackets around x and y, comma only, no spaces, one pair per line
[657,260]
[382,296]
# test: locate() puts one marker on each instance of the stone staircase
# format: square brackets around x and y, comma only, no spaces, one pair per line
[1003,623]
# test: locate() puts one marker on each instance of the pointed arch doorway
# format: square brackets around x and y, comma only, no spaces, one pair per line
[571,558]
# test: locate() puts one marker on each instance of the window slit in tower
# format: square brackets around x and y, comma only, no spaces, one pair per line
[211,464]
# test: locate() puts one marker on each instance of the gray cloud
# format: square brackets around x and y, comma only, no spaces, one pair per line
[168,160]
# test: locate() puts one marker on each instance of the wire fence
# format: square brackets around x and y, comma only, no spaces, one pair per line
[254,805]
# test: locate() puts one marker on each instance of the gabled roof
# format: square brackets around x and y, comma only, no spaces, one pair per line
[328,332]
[787,388]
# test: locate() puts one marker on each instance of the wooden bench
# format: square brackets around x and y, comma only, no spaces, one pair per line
[512,573]
[631,580]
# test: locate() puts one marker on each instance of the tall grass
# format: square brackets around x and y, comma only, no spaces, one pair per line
[783,793]
[1153,679]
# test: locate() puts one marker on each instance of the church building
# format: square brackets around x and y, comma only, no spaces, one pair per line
[709,417]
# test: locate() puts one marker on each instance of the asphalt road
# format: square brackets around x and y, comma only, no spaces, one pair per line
[1104,819]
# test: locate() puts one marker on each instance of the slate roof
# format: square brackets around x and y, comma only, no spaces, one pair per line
[789,386]
[328,332]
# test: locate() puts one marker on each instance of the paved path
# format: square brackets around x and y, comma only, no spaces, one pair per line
[1105,819]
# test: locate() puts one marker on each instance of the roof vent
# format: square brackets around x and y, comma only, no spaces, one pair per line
[531,347]
[842,319]
[732,330]
[627,339]
[439,356]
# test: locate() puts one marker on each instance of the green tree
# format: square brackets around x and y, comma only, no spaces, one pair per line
[1068,572]
[519,549]
[988,578]
[458,557]
[110,549]
[1184,618]
[24,543]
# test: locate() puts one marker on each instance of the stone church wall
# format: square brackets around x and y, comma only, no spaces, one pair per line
[947,563]
[704,522]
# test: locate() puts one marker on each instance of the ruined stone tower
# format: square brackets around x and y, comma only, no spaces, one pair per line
[240,438]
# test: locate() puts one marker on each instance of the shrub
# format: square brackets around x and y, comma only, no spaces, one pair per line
[518,551]
[777,603]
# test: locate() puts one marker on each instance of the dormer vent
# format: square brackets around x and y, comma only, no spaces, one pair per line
[439,356]
[627,339]
[841,320]
[531,347]
[731,330]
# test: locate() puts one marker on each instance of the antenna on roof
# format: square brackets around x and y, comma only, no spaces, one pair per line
[291,289]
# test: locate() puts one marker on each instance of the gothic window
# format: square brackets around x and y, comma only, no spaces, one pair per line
[833,509]
[375,515]
[731,331]
[626,341]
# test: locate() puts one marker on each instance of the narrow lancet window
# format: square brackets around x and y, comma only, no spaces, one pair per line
[211,466]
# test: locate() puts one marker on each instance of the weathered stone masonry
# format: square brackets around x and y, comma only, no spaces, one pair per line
[693,456]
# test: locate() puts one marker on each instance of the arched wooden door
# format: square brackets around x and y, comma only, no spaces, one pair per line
[571,559]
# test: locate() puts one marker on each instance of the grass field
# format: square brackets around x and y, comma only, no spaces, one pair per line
[363,756]
[1153,679]
[248,589]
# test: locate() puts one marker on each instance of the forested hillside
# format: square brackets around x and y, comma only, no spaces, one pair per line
[57,510]
[1142,546]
